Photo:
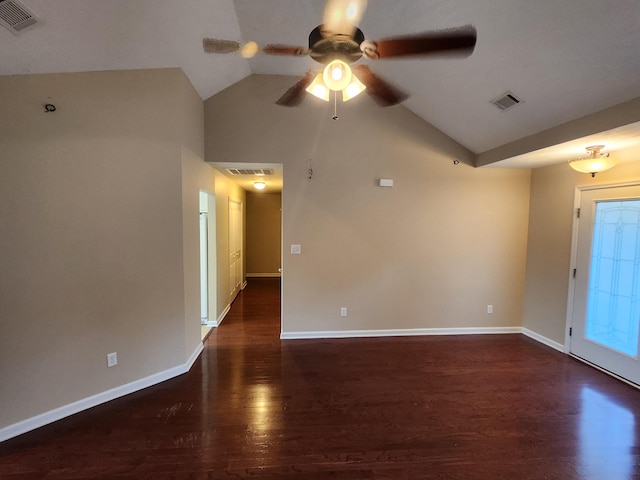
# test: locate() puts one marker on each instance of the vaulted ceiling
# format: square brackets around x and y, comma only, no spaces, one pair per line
[565,59]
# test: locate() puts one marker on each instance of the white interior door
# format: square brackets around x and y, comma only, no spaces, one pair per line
[606,307]
[235,247]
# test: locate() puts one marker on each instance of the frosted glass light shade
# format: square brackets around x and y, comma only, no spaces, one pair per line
[317,88]
[337,75]
[592,165]
[355,88]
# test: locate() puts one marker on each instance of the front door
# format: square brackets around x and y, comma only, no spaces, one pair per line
[606,308]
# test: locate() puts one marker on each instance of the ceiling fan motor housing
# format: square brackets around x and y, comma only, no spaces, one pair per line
[326,49]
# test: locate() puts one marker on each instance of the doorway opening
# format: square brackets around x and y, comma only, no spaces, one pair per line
[255,225]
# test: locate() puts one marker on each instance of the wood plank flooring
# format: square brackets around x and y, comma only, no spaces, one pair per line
[442,407]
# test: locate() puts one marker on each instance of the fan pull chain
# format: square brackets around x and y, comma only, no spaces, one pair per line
[310,169]
[335,105]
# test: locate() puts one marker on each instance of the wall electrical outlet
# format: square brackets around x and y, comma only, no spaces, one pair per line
[112,359]
[489,308]
[343,311]
[296,249]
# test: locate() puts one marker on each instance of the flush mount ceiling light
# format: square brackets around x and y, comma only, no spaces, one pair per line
[595,161]
[259,185]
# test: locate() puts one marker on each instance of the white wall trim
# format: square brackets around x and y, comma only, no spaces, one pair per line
[222,315]
[194,356]
[264,275]
[542,339]
[399,332]
[59,413]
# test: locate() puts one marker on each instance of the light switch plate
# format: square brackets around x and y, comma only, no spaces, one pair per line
[296,249]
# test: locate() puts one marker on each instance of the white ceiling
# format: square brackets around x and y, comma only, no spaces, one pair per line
[565,59]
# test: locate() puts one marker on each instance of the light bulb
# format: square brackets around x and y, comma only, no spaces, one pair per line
[337,75]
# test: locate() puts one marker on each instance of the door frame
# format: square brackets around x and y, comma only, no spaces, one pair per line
[212,258]
[574,254]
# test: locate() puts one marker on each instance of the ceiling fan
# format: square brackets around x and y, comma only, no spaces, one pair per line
[338,43]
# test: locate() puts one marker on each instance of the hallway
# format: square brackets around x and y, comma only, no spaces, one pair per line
[477,407]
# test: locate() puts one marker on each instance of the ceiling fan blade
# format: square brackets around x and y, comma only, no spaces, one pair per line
[215,45]
[294,96]
[273,49]
[382,92]
[341,17]
[451,42]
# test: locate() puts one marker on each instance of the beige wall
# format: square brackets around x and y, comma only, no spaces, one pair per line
[93,239]
[549,246]
[264,232]
[433,251]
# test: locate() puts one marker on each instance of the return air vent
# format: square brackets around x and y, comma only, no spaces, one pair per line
[506,101]
[15,17]
[250,171]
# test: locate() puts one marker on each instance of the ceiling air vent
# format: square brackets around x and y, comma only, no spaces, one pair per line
[506,101]
[15,17]
[250,171]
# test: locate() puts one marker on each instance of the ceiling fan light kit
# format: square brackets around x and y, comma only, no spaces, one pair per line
[337,76]
[338,43]
[595,161]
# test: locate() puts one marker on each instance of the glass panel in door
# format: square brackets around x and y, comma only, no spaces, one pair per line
[614,305]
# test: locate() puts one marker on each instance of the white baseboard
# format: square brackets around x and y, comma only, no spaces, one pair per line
[542,339]
[194,356]
[422,331]
[399,332]
[59,413]
[264,275]
[222,315]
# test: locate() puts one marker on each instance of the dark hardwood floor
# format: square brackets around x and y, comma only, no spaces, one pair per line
[441,407]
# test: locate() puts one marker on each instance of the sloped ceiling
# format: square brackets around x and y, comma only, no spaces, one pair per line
[566,59]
